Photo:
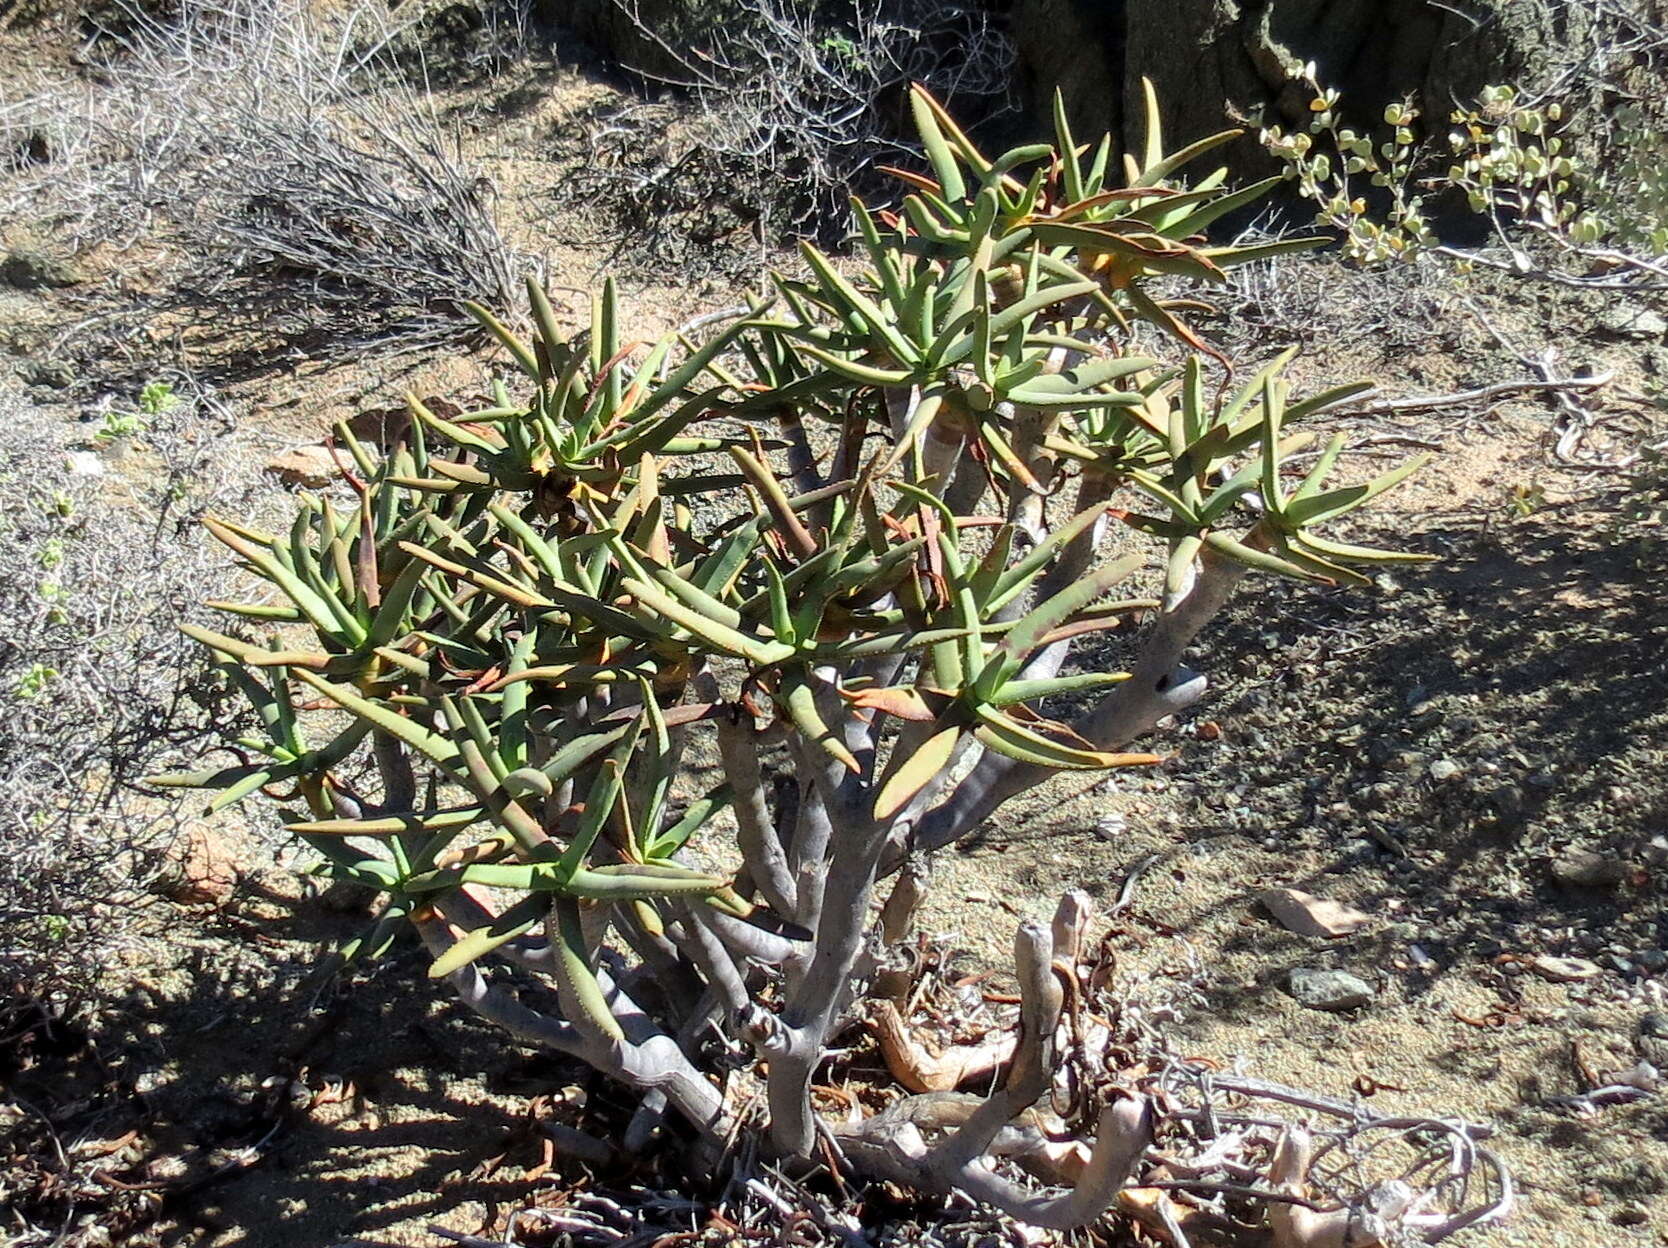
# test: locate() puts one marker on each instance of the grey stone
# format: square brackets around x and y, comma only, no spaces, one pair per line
[1582,868]
[1333,991]
[1444,769]
[1631,321]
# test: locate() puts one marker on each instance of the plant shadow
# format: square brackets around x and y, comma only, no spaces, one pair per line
[1443,737]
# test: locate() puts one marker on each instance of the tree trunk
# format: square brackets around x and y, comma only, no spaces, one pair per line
[1217,63]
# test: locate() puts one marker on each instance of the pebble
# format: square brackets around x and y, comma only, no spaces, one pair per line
[84,463]
[1582,868]
[1444,769]
[1333,991]
[1308,915]
[1111,827]
[313,467]
[1629,320]
[1652,960]
[1562,970]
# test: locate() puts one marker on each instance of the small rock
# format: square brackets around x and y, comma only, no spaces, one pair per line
[1652,960]
[1333,991]
[1582,868]
[202,868]
[313,467]
[84,463]
[1308,915]
[1656,851]
[1444,769]
[1631,321]
[1654,1023]
[1111,827]
[1563,970]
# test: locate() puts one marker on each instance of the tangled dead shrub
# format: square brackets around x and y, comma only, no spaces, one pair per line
[308,196]
[785,108]
[95,685]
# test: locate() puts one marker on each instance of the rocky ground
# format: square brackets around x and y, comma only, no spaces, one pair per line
[1466,758]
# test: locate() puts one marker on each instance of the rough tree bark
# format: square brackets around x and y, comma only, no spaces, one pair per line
[1216,60]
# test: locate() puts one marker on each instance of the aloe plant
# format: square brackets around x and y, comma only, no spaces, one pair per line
[847,547]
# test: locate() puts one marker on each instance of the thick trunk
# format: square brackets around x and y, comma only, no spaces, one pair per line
[1215,62]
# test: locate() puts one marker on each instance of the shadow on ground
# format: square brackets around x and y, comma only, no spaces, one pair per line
[1447,735]
[239,1090]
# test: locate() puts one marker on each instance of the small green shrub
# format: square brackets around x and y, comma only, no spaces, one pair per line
[34,681]
[1597,218]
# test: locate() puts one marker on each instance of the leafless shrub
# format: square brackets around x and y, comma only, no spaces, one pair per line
[97,686]
[305,192]
[1309,299]
[797,102]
